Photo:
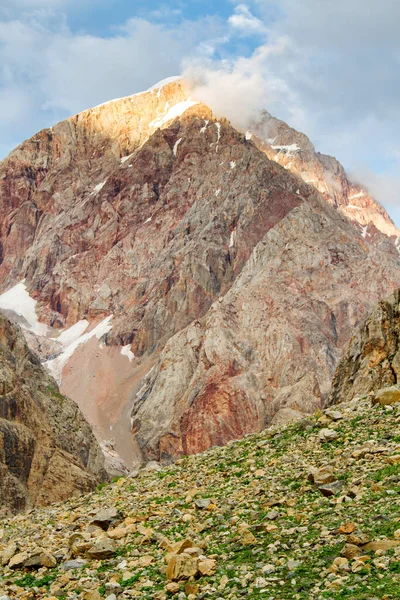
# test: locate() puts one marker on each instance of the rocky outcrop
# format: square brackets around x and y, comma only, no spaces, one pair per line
[47,450]
[372,360]
[294,151]
[209,287]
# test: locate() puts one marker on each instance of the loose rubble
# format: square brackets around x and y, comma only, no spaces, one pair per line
[291,513]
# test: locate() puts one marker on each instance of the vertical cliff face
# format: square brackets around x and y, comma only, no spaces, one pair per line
[47,450]
[372,359]
[187,286]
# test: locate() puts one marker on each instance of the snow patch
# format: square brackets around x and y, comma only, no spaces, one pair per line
[19,301]
[176,146]
[203,129]
[125,158]
[148,220]
[158,86]
[364,231]
[126,351]
[217,192]
[354,207]
[358,195]
[218,126]
[249,135]
[232,238]
[98,187]
[232,164]
[172,113]
[288,150]
[397,244]
[71,339]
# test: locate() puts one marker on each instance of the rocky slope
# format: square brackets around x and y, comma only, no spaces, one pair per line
[306,512]
[200,287]
[47,450]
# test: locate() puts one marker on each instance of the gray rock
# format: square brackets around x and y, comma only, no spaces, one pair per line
[328,435]
[69,565]
[202,503]
[330,489]
[106,517]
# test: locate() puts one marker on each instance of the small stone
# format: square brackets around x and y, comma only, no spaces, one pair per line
[151,466]
[272,515]
[73,564]
[327,435]
[330,489]
[351,551]
[172,587]
[387,396]
[347,528]
[193,588]
[9,551]
[17,561]
[335,415]
[322,476]
[181,566]
[248,538]
[202,503]
[268,569]
[103,547]
[207,566]
[358,538]
[118,533]
[357,566]
[339,564]
[293,564]
[107,517]
[41,559]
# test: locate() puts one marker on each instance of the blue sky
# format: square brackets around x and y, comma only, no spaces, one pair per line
[329,69]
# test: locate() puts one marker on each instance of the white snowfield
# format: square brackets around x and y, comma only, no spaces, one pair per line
[18,300]
[71,339]
[158,86]
[126,351]
[172,113]
[98,187]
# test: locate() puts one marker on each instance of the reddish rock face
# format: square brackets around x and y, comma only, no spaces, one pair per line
[230,278]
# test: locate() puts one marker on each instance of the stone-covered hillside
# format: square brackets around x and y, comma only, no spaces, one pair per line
[309,511]
[47,450]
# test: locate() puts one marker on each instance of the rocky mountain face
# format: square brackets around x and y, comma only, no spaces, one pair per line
[188,287]
[372,360]
[294,151]
[47,450]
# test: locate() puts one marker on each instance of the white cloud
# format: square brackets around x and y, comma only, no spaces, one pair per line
[48,72]
[246,22]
